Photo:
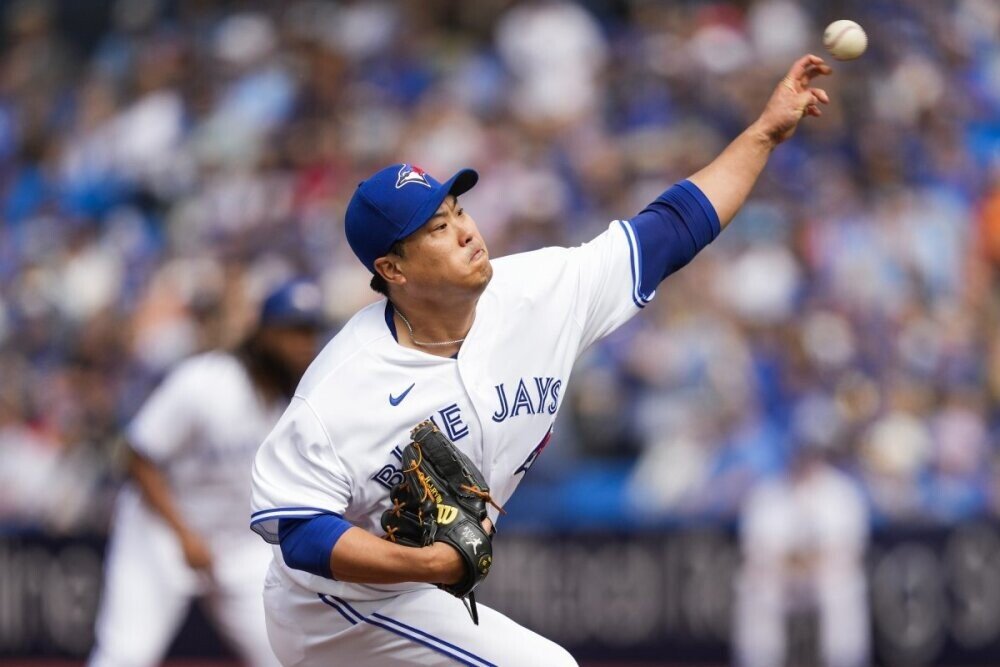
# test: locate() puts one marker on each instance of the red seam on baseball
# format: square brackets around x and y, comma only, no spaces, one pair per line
[833,42]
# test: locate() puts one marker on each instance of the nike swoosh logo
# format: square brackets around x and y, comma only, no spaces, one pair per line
[396,400]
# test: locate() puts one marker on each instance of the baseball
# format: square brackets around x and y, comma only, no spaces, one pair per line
[845,40]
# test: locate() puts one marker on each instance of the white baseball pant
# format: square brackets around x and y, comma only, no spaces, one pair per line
[148,588]
[425,627]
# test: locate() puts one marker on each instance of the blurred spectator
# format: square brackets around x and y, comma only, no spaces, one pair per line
[803,538]
[555,51]
[162,162]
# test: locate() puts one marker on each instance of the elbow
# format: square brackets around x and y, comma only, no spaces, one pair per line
[671,231]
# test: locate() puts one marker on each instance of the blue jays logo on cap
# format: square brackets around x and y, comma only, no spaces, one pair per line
[411,174]
[383,210]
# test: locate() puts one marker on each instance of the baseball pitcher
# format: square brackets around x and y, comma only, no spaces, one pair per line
[380,484]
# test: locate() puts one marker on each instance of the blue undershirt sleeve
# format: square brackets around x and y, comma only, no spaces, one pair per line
[671,231]
[306,543]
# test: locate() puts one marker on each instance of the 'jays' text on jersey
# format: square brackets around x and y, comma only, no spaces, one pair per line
[337,448]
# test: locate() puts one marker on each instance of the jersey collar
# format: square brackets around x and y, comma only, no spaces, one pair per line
[390,322]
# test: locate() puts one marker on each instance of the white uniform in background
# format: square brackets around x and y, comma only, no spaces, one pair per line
[201,427]
[804,544]
[336,450]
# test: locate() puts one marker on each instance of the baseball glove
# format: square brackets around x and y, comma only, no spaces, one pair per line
[442,498]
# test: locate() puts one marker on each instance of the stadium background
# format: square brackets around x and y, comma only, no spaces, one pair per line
[163,162]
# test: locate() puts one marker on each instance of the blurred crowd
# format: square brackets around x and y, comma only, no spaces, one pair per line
[164,162]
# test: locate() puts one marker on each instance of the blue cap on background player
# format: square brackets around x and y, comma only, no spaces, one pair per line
[395,202]
[294,304]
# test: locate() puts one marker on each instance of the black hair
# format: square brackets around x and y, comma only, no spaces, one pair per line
[272,377]
[378,283]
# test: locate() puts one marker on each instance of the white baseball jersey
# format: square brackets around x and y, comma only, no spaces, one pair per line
[337,447]
[202,427]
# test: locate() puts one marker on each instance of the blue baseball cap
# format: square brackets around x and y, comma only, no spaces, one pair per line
[395,202]
[295,303]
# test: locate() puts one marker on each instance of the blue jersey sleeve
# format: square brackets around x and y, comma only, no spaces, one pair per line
[670,232]
[306,543]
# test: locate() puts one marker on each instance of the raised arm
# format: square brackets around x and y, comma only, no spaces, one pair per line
[689,215]
[728,179]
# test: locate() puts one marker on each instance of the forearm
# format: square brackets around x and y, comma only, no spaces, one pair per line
[729,178]
[360,557]
[156,491]
[328,546]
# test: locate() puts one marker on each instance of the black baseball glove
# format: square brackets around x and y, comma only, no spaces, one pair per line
[442,498]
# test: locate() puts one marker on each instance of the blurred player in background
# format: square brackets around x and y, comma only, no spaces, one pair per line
[180,530]
[804,537]
[486,349]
